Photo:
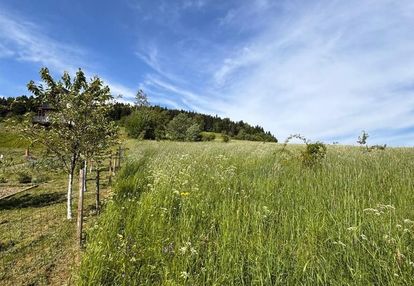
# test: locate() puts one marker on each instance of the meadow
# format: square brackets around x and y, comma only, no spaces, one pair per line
[245,213]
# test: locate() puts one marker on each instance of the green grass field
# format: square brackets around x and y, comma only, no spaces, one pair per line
[244,213]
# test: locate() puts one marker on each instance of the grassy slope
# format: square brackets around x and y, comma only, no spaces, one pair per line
[242,213]
[37,243]
[10,138]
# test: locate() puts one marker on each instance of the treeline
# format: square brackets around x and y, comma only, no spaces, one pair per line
[16,106]
[155,122]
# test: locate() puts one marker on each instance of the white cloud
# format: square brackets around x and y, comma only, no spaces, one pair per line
[327,71]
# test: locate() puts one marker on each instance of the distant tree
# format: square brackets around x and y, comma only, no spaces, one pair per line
[120,110]
[362,139]
[193,132]
[178,126]
[4,110]
[146,123]
[18,107]
[141,99]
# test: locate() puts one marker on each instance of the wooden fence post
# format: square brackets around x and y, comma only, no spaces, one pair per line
[110,170]
[91,165]
[80,204]
[115,169]
[97,188]
[119,156]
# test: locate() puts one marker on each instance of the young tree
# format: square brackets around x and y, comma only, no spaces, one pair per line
[362,139]
[193,132]
[102,135]
[72,124]
[146,123]
[177,128]
[141,99]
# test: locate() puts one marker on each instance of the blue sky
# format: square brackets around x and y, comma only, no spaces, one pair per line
[325,69]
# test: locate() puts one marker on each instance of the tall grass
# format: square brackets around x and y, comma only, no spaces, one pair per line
[245,214]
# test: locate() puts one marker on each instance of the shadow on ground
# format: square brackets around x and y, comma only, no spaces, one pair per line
[32,200]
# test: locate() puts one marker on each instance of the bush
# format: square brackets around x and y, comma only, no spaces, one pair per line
[378,147]
[3,180]
[40,178]
[24,178]
[313,154]
[208,136]
[225,138]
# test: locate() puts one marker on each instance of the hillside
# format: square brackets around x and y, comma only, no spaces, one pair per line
[157,119]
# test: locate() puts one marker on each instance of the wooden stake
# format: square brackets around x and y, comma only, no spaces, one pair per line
[80,204]
[98,204]
[119,156]
[110,170]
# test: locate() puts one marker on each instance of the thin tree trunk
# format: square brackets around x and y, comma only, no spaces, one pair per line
[85,166]
[70,183]
[82,172]
[98,203]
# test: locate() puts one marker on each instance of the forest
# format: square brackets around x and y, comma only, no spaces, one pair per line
[154,122]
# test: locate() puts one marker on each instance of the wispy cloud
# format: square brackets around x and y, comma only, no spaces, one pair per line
[24,40]
[327,70]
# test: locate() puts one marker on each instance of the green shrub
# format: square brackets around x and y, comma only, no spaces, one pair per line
[24,178]
[313,154]
[225,138]
[40,178]
[208,136]
[378,147]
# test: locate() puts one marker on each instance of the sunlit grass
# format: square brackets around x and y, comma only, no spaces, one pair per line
[243,213]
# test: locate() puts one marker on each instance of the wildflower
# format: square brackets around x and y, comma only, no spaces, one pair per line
[133,259]
[184,194]
[184,275]
[371,210]
[363,236]
[352,228]
[168,248]
[120,236]
[183,249]
[339,243]
[193,251]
